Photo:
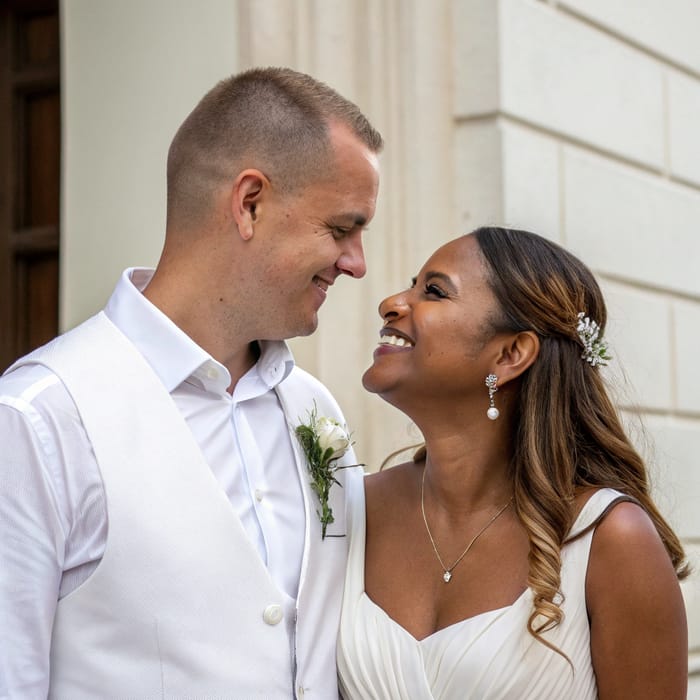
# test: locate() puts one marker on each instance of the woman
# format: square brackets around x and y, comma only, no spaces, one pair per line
[519,555]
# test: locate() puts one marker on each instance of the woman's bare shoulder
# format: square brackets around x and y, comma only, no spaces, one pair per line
[635,608]
[627,525]
[627,543]
[391,487]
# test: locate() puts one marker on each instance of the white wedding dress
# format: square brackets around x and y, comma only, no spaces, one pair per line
[486,657]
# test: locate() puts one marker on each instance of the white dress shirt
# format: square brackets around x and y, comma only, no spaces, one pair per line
[53,519]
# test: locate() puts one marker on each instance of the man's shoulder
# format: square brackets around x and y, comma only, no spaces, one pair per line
[30,380]
[34,388]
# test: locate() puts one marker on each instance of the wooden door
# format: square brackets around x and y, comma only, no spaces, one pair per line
[30,139]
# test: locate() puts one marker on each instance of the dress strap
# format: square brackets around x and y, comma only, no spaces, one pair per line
[356,530]
[595,510]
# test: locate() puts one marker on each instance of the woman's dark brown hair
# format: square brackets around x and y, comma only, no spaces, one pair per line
[566,433]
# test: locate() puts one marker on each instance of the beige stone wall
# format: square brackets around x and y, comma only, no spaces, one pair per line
[574,118]
[131,72]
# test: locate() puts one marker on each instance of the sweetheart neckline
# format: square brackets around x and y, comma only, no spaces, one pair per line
[442,629]
[576,529]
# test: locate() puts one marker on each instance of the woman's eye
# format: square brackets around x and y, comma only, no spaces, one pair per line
[434,290]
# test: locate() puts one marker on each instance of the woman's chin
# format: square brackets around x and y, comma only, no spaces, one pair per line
[377,383]
[368,381]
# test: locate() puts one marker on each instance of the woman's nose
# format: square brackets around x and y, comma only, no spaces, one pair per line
[393,307]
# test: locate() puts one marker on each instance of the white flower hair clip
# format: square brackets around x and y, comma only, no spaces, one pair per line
[595,349]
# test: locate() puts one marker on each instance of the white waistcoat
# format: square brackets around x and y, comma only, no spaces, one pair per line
[181,605]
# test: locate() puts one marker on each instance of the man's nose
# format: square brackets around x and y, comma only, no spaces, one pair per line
[352,258]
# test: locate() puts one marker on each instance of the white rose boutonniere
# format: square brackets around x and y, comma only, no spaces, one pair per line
[332,436]
[324,442]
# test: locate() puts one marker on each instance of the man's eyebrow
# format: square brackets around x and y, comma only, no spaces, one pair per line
[348,217]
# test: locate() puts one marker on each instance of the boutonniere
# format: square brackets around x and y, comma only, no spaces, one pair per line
[324,441]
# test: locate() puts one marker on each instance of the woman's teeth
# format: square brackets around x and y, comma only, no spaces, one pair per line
[395,340]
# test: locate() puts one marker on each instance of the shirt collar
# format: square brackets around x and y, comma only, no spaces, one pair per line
[170,352]
[275,363]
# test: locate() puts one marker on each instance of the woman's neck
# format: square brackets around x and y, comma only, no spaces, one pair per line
[467,472]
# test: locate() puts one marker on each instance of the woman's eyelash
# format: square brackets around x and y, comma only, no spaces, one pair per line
[430,289]
[434,289]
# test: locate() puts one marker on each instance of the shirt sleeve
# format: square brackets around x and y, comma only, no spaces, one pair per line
[32,545]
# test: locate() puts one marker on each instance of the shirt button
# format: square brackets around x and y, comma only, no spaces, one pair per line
[300,691]
[272,614]
[212,373]
[259,495]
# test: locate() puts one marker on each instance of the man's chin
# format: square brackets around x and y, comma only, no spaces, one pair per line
[308,328]
[297,331]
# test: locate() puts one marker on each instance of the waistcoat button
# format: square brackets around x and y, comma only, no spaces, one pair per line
[273,614]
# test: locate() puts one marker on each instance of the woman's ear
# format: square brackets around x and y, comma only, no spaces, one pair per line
[518,353]
[246,196]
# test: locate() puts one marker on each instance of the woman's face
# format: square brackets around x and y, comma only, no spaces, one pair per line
[437,340]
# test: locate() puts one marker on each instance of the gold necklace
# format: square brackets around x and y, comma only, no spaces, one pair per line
[449,569]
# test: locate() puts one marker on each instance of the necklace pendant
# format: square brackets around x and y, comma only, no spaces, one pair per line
[446,577]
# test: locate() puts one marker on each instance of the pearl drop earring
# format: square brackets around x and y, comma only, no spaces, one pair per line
[493,412]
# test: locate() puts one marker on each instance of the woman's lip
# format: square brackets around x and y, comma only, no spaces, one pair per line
[390,349]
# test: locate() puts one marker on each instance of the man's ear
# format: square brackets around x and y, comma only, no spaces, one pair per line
[517,354]
[246,196]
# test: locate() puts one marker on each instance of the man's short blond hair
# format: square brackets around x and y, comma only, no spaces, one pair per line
[273,119]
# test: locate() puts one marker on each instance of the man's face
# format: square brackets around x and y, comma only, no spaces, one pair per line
[313,236]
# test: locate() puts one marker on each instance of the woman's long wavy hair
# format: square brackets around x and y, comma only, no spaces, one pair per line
[566,432]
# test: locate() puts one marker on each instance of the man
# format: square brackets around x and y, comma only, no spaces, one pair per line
[158,535]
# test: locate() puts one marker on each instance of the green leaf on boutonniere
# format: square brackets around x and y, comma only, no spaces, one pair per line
[324,441]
